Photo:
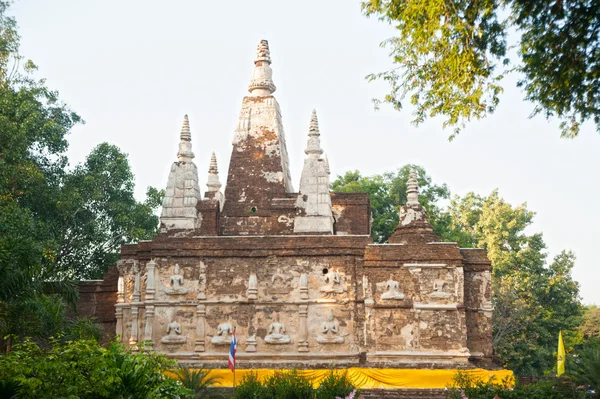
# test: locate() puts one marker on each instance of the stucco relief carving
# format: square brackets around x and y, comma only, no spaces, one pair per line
[330,331]
[439,289]
[176,282]
[252,291]
[333,283]
[174,336]
[392,289]
[280,281]
[277,333]
[223,337]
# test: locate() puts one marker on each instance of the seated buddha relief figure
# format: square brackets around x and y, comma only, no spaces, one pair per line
[330,331]
[392,289]
[176,283]
[223,337]
[173,334]
[277,333]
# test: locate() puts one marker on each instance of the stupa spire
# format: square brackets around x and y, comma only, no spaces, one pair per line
[314,200]
[262,77]
[213,183]
[413,227]
[185,153]
[212,169]
[313,147]
[182,192]
[412,192]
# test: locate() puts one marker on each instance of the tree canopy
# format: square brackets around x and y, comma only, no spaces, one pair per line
[451,56]
[57,223]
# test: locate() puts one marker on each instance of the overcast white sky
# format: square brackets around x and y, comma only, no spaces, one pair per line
[133,68]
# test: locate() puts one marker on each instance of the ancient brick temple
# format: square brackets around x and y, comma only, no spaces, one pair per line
[296,274]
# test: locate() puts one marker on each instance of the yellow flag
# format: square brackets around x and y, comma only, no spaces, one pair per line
[561,356]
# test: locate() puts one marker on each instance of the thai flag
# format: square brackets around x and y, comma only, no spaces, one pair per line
[232,349]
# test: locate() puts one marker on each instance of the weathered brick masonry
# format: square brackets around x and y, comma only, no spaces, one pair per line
[295,274]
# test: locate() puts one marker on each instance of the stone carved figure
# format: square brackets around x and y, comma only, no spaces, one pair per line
[278,275]
[392,289]
[252,291]
[176,281]
[330,331]
[173,336]
[223,337]
[438,289]
[333,283]
[277,333]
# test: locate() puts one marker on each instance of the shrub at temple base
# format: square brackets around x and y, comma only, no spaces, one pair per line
[336,384]
[467,387]
[83,369]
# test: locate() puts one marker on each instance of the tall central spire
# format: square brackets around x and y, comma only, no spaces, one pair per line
[258,170]
[262,77]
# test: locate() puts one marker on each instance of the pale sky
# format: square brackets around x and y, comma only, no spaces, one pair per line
[133,68]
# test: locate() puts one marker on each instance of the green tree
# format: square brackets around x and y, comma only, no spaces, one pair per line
[56,224]
[450,57]
[97,213]
[591,322]
[533,300]
[388,192]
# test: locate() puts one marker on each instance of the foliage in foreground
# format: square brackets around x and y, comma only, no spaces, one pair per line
[293,385]
[197,381]
[83,369]
[466,386]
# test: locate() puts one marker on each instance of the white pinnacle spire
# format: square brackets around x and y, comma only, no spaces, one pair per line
[313,147]
[262,77]
[185,153]
[412,192]
[213,183]
[182,192]
[314,200]
[213,175]
[212,169]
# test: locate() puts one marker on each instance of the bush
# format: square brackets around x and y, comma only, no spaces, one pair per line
[281,385]
[476,388]
[197,381]
[249,388]
[288,385]
[335,384]
[83,369]
[585,367]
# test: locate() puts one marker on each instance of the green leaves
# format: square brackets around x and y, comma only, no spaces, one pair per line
[450,57]
[83,369]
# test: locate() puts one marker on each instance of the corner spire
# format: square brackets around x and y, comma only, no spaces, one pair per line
[185,153]
[313,206]
[413,227]
[213,183]
[262,77]
[313,147]
[182,192]
[212,168]
[412,192]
